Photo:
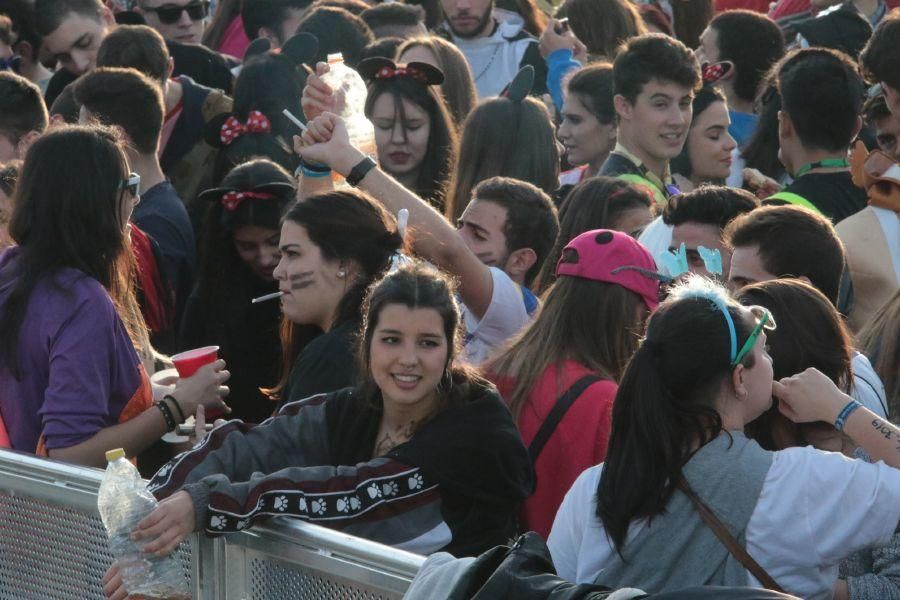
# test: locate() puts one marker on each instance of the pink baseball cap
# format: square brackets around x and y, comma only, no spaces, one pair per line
[613,257]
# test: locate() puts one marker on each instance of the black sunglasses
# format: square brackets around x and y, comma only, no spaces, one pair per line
[170,13]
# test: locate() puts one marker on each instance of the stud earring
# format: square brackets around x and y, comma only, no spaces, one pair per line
[341,274]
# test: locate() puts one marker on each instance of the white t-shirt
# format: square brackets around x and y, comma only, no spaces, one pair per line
[815,509]
[503,319]
[868,388]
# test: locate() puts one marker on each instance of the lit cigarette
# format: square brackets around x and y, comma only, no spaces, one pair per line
[294,119]
[271,296]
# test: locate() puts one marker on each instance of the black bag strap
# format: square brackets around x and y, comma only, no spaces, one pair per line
[559,410]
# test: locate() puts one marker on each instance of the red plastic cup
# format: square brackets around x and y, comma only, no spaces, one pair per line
[187,363]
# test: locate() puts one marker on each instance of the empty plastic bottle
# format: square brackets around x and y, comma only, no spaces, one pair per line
[123,501]
[350,95]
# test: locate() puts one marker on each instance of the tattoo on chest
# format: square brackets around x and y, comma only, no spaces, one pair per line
[390,440]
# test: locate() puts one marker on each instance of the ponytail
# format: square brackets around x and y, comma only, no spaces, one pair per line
[665,406]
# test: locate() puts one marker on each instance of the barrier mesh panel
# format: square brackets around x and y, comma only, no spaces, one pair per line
[272,581]
[50,552]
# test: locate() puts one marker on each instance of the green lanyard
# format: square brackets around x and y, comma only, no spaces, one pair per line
[828,163]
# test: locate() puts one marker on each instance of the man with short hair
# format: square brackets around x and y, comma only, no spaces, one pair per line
[886,126]
[23,116]
[395,20]
[752,42]
[26,42]
[275,20]
[181,21]
[494,42]
[880,60]
[338,30]
[504,236]
[186,159]
[698,219]
[654,79]
[821,96]
[772,242]
[72,31]
[133,102]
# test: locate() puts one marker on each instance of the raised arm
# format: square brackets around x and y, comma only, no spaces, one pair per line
[434,239]
[810,396]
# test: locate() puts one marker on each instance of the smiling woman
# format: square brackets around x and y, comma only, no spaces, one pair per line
[391,460]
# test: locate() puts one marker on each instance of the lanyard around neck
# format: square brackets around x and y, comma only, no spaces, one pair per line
[828,163]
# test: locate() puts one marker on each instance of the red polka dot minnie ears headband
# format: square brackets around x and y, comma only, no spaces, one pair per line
[383,69]
[232,198]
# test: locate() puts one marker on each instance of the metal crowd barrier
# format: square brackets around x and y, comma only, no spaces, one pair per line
[53,547]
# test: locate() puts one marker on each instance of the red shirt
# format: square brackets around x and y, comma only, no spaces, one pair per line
[578,442]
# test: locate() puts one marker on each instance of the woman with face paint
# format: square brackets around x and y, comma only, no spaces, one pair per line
[422,455]
[333,246]
[238,255]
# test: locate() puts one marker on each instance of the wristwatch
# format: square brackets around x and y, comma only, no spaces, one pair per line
[360,170]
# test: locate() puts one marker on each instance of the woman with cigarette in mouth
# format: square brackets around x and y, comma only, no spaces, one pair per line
[333,246]
[238,255]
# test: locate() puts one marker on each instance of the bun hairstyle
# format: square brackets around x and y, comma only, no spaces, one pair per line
[417,83]
[269,82]
[348,225]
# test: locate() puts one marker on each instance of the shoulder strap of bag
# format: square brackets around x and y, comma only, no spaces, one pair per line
[559,410]
[734,548]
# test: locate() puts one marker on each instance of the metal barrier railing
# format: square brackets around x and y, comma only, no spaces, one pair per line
[53,547]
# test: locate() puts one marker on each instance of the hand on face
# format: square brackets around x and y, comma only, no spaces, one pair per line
[808,397]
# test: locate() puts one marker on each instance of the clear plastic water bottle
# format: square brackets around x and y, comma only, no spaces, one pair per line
[350,95]
[123,501]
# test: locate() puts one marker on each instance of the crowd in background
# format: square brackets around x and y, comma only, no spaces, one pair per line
[596,270]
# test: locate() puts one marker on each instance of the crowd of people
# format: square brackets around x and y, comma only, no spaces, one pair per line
[626,275]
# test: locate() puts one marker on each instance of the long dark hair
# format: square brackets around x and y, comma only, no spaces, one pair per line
[268,83]
[346,225]
[440,154]
[593,323]
[810,333]
[418,285]
[220,264]
[595,203]
[67,216]
[761,151]
[665,404]
[505,138]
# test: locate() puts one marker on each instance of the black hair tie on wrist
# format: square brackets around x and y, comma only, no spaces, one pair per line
[177,406]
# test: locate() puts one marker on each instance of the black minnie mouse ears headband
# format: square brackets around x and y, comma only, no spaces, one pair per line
[299,49]
[520,86]
[381,69]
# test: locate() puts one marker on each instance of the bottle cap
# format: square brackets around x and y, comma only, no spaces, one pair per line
[116,454]
[337,57]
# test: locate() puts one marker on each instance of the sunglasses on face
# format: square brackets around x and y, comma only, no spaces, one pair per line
[132,185]
[170,13]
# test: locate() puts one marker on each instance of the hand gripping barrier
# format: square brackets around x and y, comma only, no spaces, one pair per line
[53,547]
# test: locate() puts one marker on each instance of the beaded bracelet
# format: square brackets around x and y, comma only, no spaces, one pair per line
[167,415]
[845,413]
[177,406]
